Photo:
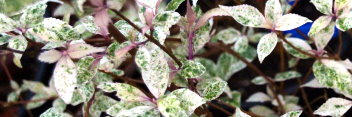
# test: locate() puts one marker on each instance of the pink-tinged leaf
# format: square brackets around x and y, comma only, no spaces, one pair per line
[273,10]
[148,3]
[157,5]
[122,52]
[319,25]
[80,50]
[290,21]
[247,15]
[191,15]
[145,29]
[149,16]
[97,3]
[50,56]
[209,14]
[323,37]
[102,20]
[65,80]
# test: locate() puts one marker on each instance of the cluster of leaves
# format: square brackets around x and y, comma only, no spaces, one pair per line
[84,72]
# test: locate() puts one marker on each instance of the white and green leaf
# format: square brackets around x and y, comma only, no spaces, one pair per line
[192,69]
[273,10]
[300,44]
[179,104]
[266,45]
[332,74]
[124,91]
[246,15]
[65,78]
[211,89]
[282,76]
[335,107]
[322,38]
[228,36]
[324,6]
[154,68]
[292,114]
[33,14]
[290,21]
[6,23]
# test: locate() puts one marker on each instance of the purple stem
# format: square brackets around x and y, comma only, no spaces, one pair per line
[190,46]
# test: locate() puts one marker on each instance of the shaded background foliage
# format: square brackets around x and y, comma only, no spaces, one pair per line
[241,81]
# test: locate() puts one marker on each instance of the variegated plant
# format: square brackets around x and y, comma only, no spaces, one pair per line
[187,64]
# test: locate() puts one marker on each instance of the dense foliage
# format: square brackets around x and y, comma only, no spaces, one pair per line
[100,46]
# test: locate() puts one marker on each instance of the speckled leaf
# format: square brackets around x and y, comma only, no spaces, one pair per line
[282,76]
[335,107]
[290,21]
[319,24]
[292,114]
[18,43]
[65,80]
[86,24]
[273,10]
[54,30]
[101,104]
[234,100]
[298,43]
[324,6]
[50,56]
[124,91]
[133,109]
[192,69]
[266,45]
[228,36]
[154,68]
[6,23]
[322,38]
[259,80]
[239,113]
[53,112]
[332,74]
[179,104]
[83,93]
[162,22]
[211,89]
[84,73]
[246,15]
[33,14]
[340,4]
[79,50]
[4,38]
[202,37]
[258,97]
[210,66]
[344,22]
[173,5]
